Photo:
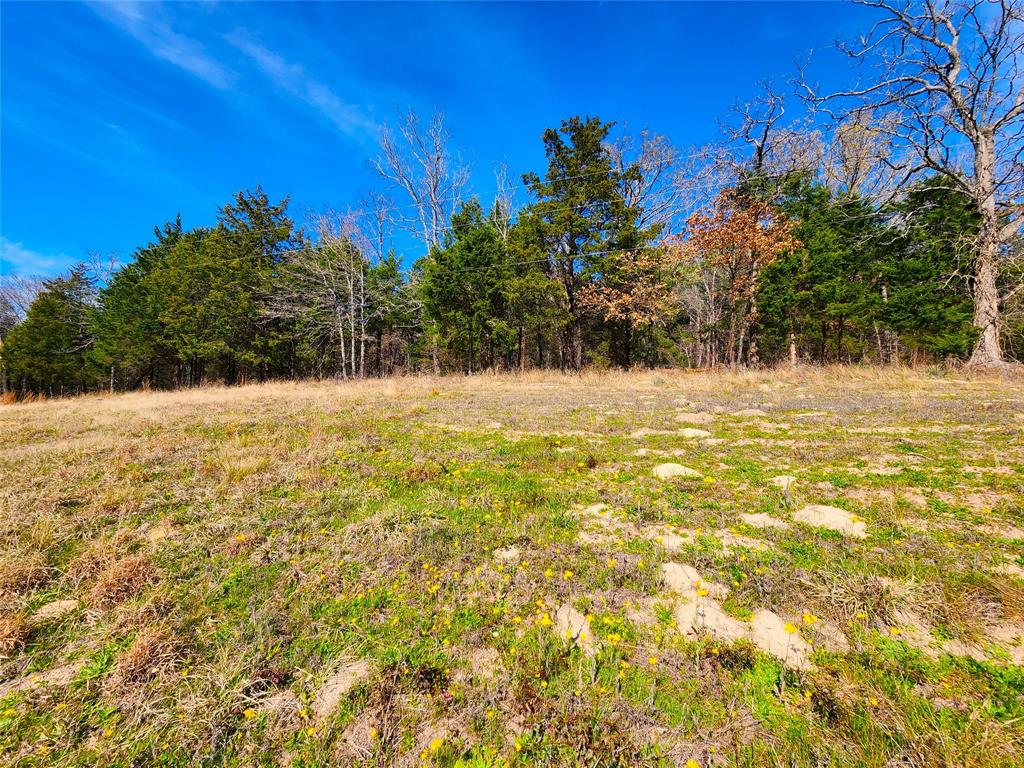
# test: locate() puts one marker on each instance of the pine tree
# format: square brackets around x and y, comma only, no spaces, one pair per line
[46,352]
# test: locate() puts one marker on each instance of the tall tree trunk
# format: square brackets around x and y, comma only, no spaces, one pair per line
[521,345]
[752,358]
[433,349]
[362,322]
[341,346]
[987,350]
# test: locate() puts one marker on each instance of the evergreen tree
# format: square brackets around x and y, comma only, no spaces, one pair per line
[465,287]
[919,295]
[46,352]
[580,220]
[126,324]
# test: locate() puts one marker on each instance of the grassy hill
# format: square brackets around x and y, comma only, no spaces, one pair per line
[796,568]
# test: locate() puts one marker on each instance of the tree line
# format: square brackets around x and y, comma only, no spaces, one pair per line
[873,237]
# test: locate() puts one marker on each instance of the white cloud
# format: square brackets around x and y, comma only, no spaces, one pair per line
[16,259]
[292,79]
[164,43]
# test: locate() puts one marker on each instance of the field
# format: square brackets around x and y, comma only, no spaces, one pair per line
[820,567]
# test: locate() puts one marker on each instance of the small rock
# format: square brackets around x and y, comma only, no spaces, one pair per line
[1002,531]
[54,610]
[280,704]
[647,432]
[768,632]
[1009,569]
[573,626]
[731,540]
[699,615]
[749,412]
[670,470]
[55,677]
[822,516]
[338,685]
[680,578]
[691,433]
[507,555]
[673,542]
[831,637]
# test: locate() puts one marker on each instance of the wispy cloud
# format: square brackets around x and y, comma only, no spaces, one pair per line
[137,20]
[292,79]
[16,259]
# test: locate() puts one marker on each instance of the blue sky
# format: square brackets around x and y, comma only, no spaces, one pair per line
[117,116]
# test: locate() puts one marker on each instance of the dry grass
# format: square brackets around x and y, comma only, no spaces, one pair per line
[21,571]
[14,631]
[122,580]
[154,653]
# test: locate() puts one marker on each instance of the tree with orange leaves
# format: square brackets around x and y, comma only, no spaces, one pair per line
[736,239]
[636,293]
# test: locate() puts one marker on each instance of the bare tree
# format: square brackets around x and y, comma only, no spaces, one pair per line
[950,74]
[324,286]
[758,141]
[658,189]
[101,266]
[418,161]
[377,219]
[17,292]
[859,159]
[503,201]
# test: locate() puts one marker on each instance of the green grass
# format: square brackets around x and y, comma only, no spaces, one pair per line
[288,530]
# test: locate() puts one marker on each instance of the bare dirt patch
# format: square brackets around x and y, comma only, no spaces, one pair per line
[337,685]
[833,518]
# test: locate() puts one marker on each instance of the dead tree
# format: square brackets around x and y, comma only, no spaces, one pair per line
[758,142]
[417,160]
[949,76]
